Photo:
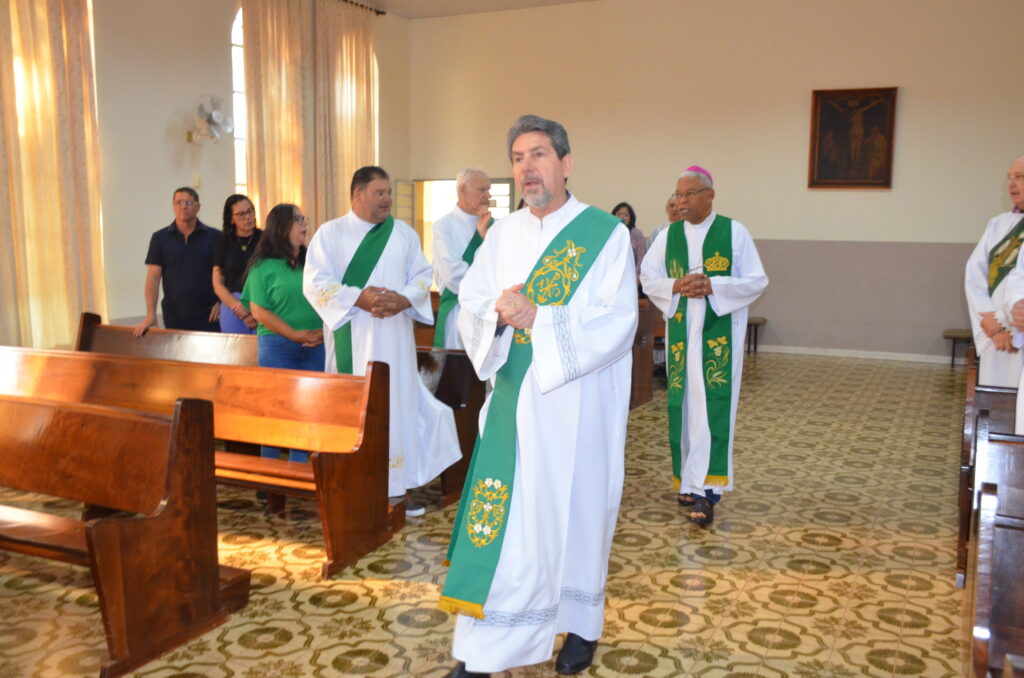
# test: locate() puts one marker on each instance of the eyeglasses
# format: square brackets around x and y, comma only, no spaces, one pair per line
[688,194]
[185,203]
[302,219]
[246,213]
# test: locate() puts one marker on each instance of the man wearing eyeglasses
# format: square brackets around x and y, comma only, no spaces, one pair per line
[180,257]
[702,272]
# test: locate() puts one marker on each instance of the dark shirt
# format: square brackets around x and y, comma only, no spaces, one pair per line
[232,259]
[187,275]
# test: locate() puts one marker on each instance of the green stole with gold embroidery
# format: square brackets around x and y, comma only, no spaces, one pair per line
[1003,257]
[716,356]
[487,495]
[356,275]
[449,298]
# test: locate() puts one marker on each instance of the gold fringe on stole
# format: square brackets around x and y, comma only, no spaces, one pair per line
[446,562]
[716,481]
[456,606]
[676,482]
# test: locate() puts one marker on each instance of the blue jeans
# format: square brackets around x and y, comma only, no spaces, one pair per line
[229,322]
[277,351]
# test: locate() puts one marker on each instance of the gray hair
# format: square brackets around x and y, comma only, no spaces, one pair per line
[463,177]
[705,180]
[534,123]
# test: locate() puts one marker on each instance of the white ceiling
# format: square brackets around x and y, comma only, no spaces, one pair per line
[421,9]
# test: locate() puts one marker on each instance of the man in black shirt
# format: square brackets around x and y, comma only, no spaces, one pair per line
[181,256]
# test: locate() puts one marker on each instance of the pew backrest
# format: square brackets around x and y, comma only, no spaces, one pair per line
[254,405]
[71,450]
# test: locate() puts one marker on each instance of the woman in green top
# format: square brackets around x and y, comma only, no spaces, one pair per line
[290,333]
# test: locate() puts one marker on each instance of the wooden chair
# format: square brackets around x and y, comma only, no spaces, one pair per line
[155,571]
[342,420]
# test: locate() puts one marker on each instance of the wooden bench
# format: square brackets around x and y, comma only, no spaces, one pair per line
[342,420]
[449,375]
[998,550]
[754,324]
[1000,403]
[955,337]
[155,571]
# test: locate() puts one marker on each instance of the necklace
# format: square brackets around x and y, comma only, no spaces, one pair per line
[245,245]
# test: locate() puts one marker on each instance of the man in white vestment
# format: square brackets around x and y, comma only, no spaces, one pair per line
[368,297]
[704,265]
[552,291]
[1013,308]
[455,247]
[985,284]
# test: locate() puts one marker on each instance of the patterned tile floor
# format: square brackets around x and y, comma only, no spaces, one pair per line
[833,559]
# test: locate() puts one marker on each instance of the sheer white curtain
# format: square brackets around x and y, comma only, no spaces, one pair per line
[311,83]
[51,257]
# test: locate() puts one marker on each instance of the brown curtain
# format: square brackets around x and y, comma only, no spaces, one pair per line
[311,85]
[51,259]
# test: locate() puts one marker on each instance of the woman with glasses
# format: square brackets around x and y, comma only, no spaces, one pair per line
[289,332]
[231,256]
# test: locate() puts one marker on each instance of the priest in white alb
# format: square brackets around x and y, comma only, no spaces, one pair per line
[457,235]
[985,284]
[549,312]
[367,277]
[702,273]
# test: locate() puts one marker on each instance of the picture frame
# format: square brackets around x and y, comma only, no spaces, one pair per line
[852,138]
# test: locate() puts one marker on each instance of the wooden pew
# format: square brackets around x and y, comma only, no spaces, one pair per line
[1001,403]
[642,388]
[342,420]
[156,572]
[998,550]
[449,374]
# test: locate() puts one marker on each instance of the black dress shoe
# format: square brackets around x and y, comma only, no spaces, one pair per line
[460,672]
[575,656]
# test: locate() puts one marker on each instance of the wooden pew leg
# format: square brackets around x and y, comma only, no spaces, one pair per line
[352,495]
[275,503]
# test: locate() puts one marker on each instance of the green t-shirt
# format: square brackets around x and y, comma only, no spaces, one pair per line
[277,287]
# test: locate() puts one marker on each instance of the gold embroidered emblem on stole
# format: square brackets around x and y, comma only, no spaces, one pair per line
[715,368]
[487,511]
[716,264]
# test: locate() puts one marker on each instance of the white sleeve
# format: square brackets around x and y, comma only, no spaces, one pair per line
[596,327]
[417,280]
[321,280]
[486,347]
[976,286]
[747,281]
[449,268]
[654,278]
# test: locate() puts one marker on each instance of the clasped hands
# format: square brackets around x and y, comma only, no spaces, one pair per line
[381,302]
[694,285]
[515,309]
[1000,336]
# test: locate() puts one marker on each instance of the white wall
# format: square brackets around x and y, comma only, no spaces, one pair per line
[648,87]
[154,60]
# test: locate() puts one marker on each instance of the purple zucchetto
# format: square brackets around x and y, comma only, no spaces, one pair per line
[700,170]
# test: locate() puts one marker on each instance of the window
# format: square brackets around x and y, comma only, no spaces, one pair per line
[434,199]
[239,104]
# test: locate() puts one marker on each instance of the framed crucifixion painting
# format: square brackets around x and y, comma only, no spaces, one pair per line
[852,138]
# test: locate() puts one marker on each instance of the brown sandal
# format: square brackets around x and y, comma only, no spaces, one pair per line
[702,512]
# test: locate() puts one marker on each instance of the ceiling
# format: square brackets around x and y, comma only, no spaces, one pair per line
[422,9]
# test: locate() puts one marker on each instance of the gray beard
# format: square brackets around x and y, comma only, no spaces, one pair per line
[538,202]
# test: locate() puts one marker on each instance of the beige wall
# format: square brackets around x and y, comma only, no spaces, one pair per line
[648,87]
[645,88]
[152,66]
